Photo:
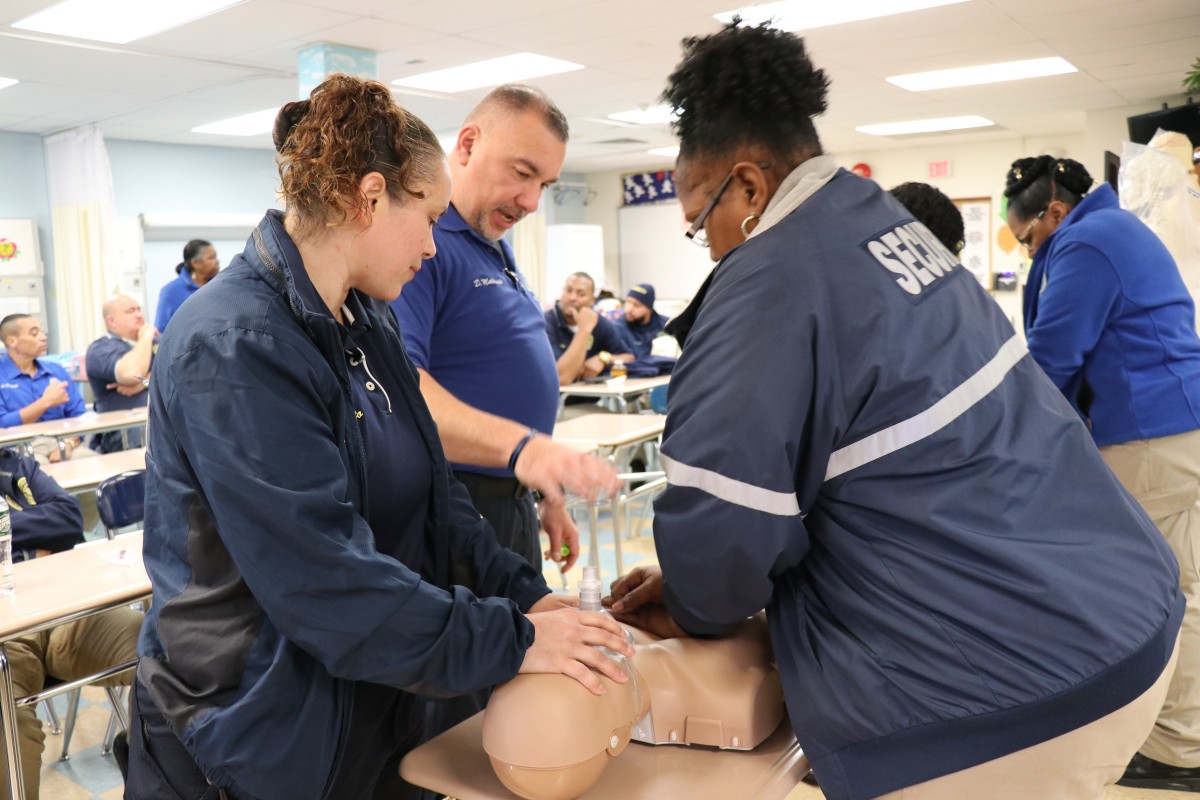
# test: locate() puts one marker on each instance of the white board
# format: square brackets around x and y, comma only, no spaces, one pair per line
[654,250]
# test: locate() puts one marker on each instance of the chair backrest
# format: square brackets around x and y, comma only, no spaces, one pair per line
[121,500]
[658,399]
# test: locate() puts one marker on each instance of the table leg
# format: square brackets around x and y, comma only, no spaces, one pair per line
[8,713]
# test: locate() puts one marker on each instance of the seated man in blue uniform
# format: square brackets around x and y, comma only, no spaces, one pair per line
[45,520]
[584,343]
[32,390]
[639,324]
[118,366]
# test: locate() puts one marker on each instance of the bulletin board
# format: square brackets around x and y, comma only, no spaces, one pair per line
[977,237]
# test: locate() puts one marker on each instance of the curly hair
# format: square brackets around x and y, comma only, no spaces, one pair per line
[747,86]
[349,127]
[1033,183]
[935,211]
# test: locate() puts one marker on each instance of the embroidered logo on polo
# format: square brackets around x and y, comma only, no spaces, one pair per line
[918,262]
[488,282]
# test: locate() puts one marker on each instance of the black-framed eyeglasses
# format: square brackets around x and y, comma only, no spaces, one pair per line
[695,231]
[1025,238]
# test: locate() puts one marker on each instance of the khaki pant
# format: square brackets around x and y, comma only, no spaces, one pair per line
[1078,765]
[1164,475]
[67,652]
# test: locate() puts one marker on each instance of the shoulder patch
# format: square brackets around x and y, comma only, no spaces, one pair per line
[917,262]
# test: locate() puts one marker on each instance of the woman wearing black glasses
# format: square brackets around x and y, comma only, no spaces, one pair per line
[963,601]
[1109,319]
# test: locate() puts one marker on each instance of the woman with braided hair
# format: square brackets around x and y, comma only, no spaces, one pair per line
[1109,319]
[317,570]
[963,601]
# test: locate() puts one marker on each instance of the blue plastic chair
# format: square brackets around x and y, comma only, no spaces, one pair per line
[121,500]
[658,399]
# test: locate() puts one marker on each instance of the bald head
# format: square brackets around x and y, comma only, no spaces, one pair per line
[123,316]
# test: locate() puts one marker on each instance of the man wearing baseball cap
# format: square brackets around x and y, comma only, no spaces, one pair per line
[640,324]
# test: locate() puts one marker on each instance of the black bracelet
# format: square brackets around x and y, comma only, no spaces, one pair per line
[516,453]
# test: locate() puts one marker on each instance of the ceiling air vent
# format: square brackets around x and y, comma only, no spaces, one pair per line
[622,140]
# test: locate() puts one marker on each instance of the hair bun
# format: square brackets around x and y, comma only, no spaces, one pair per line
[286,121]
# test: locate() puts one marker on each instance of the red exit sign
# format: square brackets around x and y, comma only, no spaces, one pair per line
[939,169]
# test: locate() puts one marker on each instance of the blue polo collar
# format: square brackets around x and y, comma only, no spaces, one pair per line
[10,371]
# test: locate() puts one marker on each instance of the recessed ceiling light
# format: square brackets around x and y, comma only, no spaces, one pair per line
[804,15]
[7,82]
[492,72]
[118,21]
[654,115]
[925,126]
[983,73]
[245,125]
[673,152]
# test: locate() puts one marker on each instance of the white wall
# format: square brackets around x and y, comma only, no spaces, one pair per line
[186,179]
[26,194]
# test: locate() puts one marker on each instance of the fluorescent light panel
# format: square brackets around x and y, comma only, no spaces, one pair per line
[118,21]
[673,152]
[245,125]
[925,126]
[492,72]
[7,82]
[805,15]
[655,115]
[983,73]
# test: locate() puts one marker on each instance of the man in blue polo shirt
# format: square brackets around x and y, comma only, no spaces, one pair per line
[585,344]
[32,390]
[640,324]
[474,330]
[118,366]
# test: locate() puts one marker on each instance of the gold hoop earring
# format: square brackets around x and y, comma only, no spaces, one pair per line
[747,221]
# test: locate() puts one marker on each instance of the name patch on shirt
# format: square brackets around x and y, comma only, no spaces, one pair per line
[488,282]
[914,257]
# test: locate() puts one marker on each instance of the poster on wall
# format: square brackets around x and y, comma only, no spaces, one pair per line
[976,255]
[649,187]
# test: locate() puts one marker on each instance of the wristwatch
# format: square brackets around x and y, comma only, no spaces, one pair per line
[604,356]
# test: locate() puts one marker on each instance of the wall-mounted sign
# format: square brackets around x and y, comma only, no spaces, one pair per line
[649,187]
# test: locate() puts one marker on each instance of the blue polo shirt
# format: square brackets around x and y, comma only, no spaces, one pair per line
[469,319]
[639,339]
[102,357]
[604,335]
[18,390]
[171,297]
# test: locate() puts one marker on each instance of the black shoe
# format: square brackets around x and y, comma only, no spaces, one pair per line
[810,779]
[1146,773]
[120,751]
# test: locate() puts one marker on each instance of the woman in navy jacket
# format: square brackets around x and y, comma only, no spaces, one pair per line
[315,567]
[1109,319]
[963,600]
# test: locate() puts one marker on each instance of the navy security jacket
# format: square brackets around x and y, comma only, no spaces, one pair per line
[950,571]
[43,515]
[270,598]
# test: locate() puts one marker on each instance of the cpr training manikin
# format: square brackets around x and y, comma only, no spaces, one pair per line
[549,738]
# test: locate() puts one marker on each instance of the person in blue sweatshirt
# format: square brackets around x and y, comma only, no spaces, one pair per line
[1109,319]
[963,600]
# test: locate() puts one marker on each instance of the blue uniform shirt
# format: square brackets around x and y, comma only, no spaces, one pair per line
[102,357]
[171,298]
[471,322]
[604,336]
[18,390]
[639,339]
